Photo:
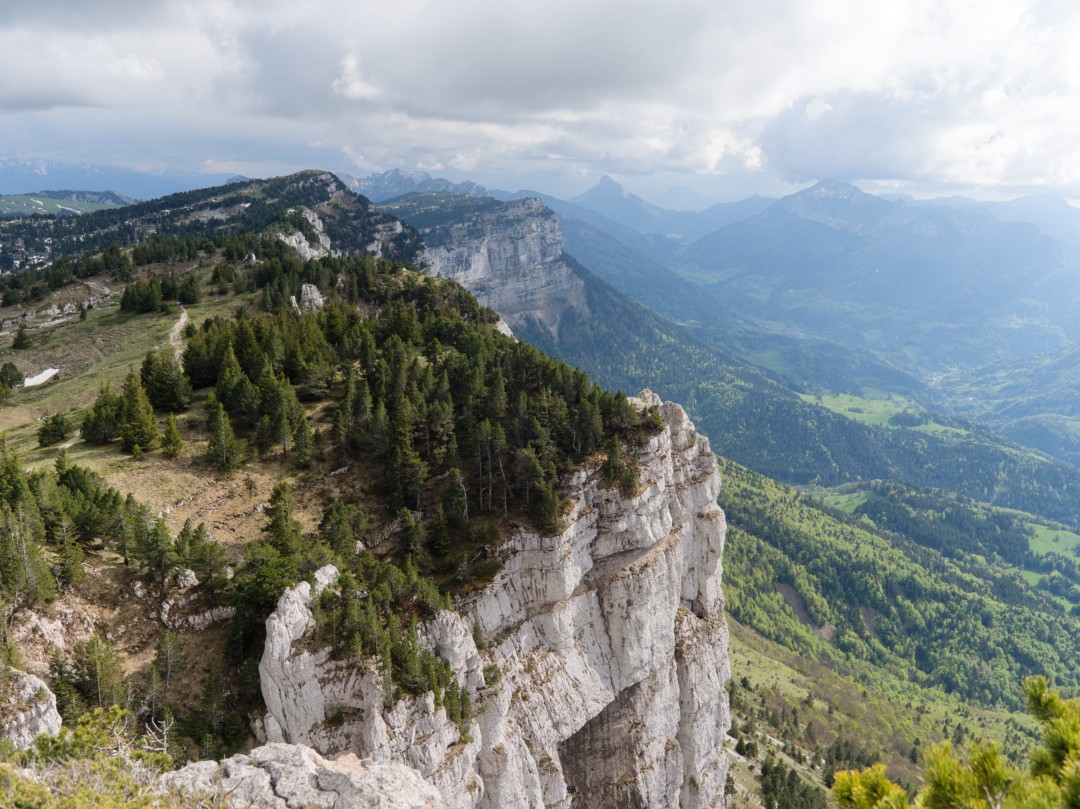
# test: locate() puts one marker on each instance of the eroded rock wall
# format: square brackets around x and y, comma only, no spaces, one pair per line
[511,259]
[609,638]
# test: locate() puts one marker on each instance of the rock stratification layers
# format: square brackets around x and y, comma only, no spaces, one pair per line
[608,640]
[511,258]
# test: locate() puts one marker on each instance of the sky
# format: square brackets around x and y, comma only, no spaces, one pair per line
[724,98]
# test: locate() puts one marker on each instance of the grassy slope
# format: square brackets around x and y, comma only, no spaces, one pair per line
[832,705]
[103,348]
[881,610]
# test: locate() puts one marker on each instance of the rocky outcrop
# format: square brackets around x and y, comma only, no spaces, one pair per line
[57,629]
[285,776]
[602,683]
[29,708]
[312,244]
[511,258]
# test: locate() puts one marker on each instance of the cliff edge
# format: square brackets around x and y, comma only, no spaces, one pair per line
[511,259]
[602,681]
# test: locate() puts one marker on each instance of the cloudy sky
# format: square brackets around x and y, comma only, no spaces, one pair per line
[725,97]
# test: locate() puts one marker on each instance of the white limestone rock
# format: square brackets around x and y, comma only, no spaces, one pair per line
[611,642]
[56,628]
[181,613]
[317,245]
[311,300]
[183,579]
[285,776]
[511,259]
[29,708]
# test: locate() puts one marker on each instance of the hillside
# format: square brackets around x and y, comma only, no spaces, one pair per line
[333,215]
[59,203]
[346,413]
[753,417]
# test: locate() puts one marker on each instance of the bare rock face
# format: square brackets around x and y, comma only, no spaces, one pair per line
[286,776]
[316,244]
[29,709]
[610,645]
[40,634]
[311,300]
[511,259]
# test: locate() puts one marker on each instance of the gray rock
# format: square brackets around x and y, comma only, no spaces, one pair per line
[185,578]
[31,709]
[286,776]
[611,641]
[511,259]
[311,300]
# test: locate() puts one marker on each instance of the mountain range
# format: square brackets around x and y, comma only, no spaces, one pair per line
[28,176]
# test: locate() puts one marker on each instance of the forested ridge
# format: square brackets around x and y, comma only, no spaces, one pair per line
[252,207]
[399,379]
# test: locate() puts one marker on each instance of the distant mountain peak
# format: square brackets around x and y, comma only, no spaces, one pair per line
[834,188]
[610,198]
[838,205]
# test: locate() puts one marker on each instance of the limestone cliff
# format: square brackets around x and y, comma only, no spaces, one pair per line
[511,258]
[610,645]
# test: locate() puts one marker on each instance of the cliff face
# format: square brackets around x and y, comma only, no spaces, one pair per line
[609,638]
[511,259]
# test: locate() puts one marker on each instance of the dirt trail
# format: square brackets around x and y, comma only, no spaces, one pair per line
[176,339]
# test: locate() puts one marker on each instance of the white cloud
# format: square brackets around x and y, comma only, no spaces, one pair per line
[351,84]
[909,92]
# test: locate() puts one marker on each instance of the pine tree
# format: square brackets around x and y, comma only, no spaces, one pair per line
[157,553]
[166,385]
[10,375]
[264,436]
[154,694]
[171,442]
[102,424]
[25,578]
[184,544]
[341,527]
[170,656]
[282,529]
[98,673]
[302,443]
[229,375]
[138,427]
[414,540]
[22,338]
[209,561]
[224,451]
[53,430]
[213,702]
[441,541]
